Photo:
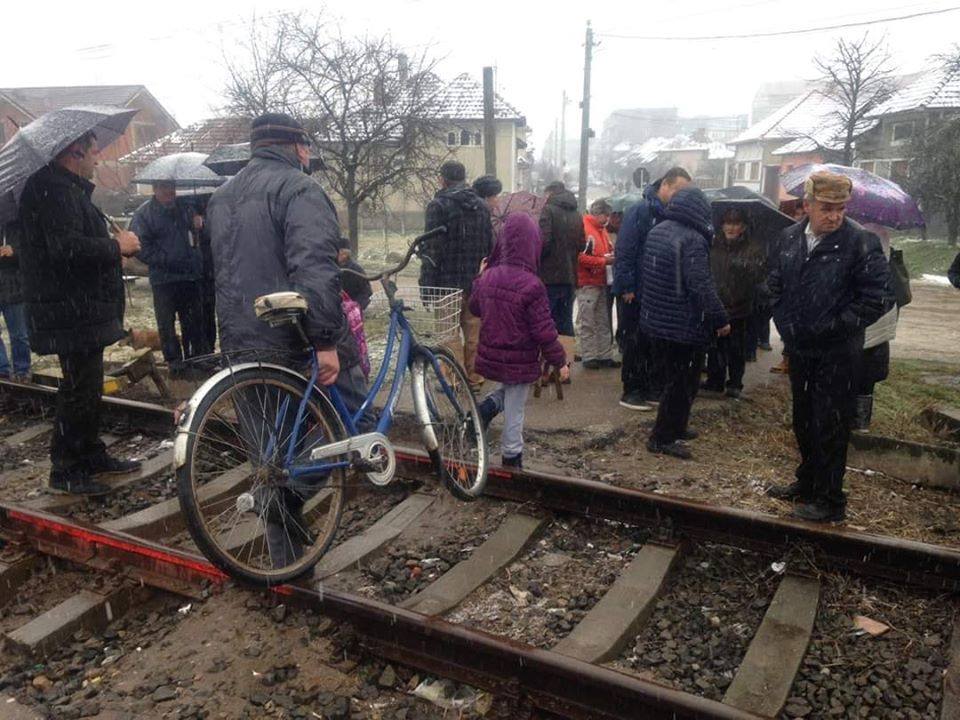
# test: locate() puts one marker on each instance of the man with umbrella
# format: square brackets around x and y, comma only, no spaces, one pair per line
[74,293]
[827,284]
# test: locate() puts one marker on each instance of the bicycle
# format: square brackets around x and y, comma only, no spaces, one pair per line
[261,453]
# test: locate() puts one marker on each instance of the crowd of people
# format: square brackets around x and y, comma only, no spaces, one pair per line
[691,291]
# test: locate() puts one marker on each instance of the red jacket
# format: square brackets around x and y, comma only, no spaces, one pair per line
[591,263]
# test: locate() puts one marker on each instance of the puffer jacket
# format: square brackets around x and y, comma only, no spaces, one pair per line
[511,301]
[679,301]
[167,243]
[592,263]
[823,302]
[454,257]
[738,267]
[273,229]
[637,222]
[70,266]
[11,289]
[561,230]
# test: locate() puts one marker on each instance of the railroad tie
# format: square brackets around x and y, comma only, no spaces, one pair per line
[498,551]
[764,678]
[352,551]
[13,575]
[29,433]
[623,609]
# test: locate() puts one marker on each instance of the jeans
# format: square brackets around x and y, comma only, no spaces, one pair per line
[179,300]
[681,373]
[593,323]
[560,298]
[727,359]
[76,426]
[15,316]
[511,400]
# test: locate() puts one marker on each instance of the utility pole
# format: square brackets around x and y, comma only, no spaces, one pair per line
[556,142]
[489,129]
[563,135]
[585,131]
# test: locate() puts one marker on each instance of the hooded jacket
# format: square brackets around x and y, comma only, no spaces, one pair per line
[561,230]
[680,301]
[454,257]
[511,301]
[592,263]
[631,238]
[823,301]
[272,228]
[70,266]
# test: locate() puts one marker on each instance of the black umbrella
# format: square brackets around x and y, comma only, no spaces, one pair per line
[737,192]
[231,159]
[41,141]
[764,221]
[184,170]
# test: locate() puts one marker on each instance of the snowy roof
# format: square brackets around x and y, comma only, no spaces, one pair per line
[648,150]
[462,99]
[205,137]
[937,88]
[36,101]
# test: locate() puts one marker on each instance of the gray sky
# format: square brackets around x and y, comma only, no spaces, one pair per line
[536,46]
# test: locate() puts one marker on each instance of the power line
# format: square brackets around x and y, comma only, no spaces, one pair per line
[780,33]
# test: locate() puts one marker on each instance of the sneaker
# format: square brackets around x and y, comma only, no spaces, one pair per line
[75,481]
[488,411]
[610,363]
[514,461]
[793,491]
[734,393]
[819,512]
[105,465]
[673,449]
[634,401]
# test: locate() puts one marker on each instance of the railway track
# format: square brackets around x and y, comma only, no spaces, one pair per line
[573,679]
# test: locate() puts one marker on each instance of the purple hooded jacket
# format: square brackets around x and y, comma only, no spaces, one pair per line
[511,302]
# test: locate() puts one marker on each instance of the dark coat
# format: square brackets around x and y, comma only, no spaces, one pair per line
[11,289]
[273,229]
[679,301]
[167,245]
[824,302]
[953,274]
[511,301]
[456,255]
[561,231]
[70,266]
[631,238]
[737,268]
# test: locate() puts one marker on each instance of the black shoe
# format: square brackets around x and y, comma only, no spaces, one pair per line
[514,461]
[75,481]
[610,363]
[488,411]
[673,449]
[765,346]
[689,434]
[819,512]
[793,491]
[711,390]
[105,465]
[734,393]
[634,401]
[592,364]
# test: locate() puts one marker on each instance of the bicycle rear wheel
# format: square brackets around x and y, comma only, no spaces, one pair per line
[450,425]
[242,510]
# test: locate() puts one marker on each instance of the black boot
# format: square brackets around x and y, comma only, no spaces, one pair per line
[104,464]
[514,461]
[864,413]
[793,491]
[75,481]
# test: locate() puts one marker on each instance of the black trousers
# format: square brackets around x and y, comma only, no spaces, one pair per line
[874,367]
[76,427]
[179,301]
[640,372]
[681,366]
[208,319]
[727,358]
[824,389]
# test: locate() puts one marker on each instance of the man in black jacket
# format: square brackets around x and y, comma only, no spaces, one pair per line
[563,237]
[73,287]
[169,236]
[454,257]
[827,285]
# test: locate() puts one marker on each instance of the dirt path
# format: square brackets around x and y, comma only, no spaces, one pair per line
[929,327]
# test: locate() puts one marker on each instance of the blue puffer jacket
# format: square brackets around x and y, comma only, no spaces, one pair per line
[679,300]
[637,223]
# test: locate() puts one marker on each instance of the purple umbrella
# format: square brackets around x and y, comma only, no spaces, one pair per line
[520,201]
[874,199]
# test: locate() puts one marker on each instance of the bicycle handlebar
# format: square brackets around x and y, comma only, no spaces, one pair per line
[414,249]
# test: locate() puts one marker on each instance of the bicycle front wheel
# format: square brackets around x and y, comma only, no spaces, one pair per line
[243,509]
[450,424]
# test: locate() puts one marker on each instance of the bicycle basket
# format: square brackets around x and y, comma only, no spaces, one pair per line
[433,312]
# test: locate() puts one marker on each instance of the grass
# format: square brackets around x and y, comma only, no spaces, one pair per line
[927,256]
[901,398]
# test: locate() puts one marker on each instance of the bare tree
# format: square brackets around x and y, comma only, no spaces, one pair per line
[368,105]
[859,76]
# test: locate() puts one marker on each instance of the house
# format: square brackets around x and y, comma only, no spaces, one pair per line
[931,96]
[705,161]
[19,106]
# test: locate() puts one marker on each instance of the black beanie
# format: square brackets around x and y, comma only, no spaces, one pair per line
[277,128]
[487,186]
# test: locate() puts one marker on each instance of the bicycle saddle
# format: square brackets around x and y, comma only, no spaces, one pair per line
[280,307]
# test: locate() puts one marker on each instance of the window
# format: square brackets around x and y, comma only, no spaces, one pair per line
[451,138]
[477,138]
[868,165]
[755,171]
[902,132]
[464,137]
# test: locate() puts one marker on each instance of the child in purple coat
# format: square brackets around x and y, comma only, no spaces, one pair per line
[516,330]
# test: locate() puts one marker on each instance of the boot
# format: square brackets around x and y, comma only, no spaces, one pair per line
[864,413]
[488,411]
[75,481]
[514,461]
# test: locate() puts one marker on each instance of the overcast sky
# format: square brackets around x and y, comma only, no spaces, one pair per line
[537,47]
